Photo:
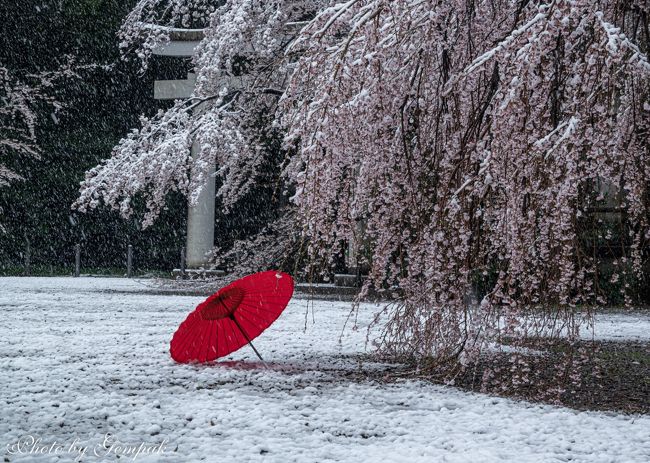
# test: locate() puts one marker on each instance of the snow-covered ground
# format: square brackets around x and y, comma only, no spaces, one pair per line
[84,357]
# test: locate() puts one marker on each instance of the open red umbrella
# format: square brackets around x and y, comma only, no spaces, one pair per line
[232,317]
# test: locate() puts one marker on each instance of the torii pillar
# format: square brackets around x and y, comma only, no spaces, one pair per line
[200,216]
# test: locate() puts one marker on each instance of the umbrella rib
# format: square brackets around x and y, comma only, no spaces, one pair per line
[255,319]
[272,291]
[210,343]
[261,303]
[224,339]
[216,340]
[259,307]
[184,342]
[234,338]
[203,346]
[200,348]
[251,320]
[255,309]
[268,288]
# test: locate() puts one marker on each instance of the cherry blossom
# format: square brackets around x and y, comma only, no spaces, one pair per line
[471,139]
[470,142]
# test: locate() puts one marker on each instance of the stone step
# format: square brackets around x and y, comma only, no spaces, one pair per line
[197,274]
[348,279]
[325,291]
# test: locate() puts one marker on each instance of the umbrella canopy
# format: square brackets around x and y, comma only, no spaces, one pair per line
[232,317]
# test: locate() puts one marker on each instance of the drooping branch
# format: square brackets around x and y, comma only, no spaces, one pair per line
[241,69]
[469,145]
[21,98]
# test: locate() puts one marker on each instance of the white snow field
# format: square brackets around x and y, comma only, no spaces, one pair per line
[83,358]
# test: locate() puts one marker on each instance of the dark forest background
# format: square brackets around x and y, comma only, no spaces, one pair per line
[100,108]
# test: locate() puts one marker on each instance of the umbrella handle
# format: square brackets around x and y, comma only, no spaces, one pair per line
[232,317]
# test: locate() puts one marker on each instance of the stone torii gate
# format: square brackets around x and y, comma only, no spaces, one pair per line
[200,217]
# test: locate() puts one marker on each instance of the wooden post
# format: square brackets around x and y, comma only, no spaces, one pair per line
[28,259]
[77,259]
[183,261]
[129,261]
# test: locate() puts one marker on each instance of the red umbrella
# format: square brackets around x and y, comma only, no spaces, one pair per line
[232,317]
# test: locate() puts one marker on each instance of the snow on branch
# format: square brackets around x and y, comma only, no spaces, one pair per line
[514,35]
[151,23]
[464,178]
[21,98]
[240,71]
[617,41]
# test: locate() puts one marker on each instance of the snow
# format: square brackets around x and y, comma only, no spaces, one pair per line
[632,326]
[89,356]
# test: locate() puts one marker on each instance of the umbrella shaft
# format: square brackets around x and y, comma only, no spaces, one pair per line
[232,317]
